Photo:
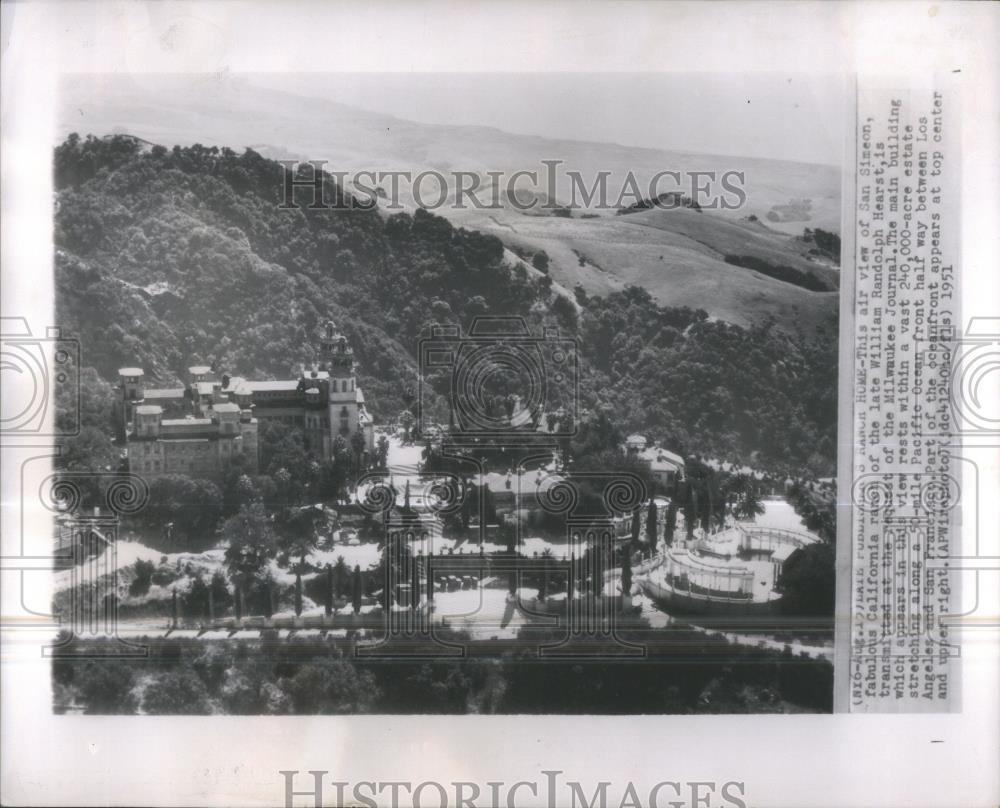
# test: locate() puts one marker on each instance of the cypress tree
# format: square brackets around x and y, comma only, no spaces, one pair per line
[706,519]
[601,551]
[691,514]
[268,598]
[341,575]
[220,592]
[466,511]
[414,583]
[298,594]
[671,525]
[489,508]
[328,602]
[357,589]
[626,570]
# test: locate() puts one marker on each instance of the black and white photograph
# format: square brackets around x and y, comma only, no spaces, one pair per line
[437,416]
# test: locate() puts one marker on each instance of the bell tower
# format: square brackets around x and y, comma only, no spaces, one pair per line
[343,395]
[130,385]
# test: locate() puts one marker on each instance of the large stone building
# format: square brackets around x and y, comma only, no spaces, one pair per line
[198,428]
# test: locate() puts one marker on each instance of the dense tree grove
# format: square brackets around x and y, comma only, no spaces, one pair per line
[782,273]
[816,503]
[183,509]
[314,676]
[753,396]
[808,583]
[188,255]
[170,256]
[827,243]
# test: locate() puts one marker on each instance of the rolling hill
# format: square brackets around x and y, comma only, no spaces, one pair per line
[172,257]
[679,256]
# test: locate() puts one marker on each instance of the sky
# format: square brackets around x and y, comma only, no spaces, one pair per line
[770,115]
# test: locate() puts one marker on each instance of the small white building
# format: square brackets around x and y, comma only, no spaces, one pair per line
[666,467]
[635,443]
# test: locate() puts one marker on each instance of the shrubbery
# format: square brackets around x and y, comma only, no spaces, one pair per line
[185,677]
[143,578]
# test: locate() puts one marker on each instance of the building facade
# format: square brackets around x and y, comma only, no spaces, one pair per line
[667,468]
[199,428]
